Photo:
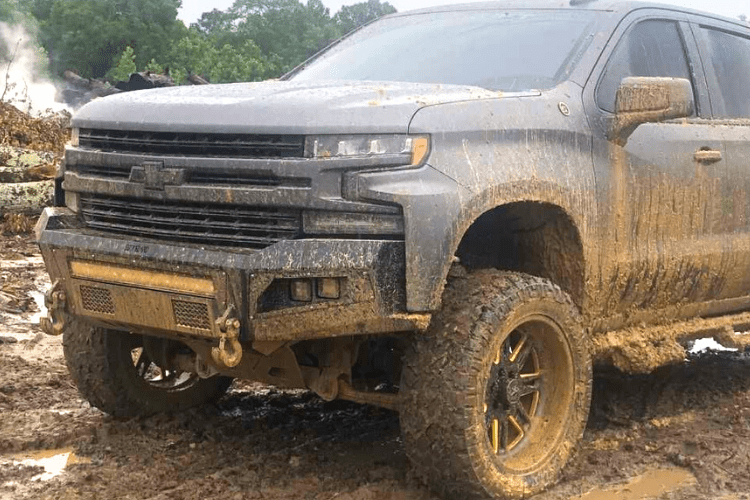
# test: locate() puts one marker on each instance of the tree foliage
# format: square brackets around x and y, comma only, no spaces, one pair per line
[90,35]
[125,66]
[197,54]
[351,17]
[288,29]
[252,40]
[13,11]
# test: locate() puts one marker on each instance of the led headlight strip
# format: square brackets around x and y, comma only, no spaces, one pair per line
[342,146]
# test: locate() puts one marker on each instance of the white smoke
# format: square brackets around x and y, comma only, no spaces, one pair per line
[22,81]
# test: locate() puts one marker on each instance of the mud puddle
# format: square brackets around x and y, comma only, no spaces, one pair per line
[650,484]
[54,462]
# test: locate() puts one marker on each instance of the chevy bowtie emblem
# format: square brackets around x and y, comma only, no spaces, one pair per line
[153,175]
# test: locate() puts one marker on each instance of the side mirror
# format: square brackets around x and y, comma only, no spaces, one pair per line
[649,100]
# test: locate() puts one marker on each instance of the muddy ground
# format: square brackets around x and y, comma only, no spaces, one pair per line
[680,433]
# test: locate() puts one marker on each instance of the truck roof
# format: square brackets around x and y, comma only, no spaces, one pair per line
[614,6]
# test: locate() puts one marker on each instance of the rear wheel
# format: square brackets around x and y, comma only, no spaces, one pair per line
[128,375]
[497,393]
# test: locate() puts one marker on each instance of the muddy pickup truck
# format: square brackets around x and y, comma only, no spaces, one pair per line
[453,213]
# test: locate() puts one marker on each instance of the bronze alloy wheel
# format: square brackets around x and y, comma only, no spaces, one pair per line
[513,392]
[496,393]
[526,399]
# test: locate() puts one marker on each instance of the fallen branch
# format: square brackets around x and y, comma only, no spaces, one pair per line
[7,70]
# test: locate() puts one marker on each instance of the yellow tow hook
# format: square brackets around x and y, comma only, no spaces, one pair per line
[229,352]
[54,300]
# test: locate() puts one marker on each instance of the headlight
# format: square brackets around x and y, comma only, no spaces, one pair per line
[413,147]
[74,133]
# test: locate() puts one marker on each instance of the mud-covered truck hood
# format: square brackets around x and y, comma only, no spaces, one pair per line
[274,107]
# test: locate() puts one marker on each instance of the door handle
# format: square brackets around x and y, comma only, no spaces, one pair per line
[707,156]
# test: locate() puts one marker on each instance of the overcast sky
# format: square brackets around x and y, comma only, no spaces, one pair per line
[192,9]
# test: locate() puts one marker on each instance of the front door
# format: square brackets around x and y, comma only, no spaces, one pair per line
[661,217]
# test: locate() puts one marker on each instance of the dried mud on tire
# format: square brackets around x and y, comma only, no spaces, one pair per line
[261,443]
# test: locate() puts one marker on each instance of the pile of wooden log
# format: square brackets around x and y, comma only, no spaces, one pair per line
[26,180]
[79,90]
[30,150]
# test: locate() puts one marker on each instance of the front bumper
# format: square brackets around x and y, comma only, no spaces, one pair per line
[150,287]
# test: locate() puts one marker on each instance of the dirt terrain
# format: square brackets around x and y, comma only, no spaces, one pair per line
[682,432]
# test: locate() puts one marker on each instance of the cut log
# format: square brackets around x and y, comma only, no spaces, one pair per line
[27,174]
[197,80]
[26,197]
[82,90]
[145,80]
[23,165]
[77,81]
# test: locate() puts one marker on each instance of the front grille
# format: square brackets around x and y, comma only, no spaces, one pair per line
[191,314]
[210,224]
[98,300]
[194,144]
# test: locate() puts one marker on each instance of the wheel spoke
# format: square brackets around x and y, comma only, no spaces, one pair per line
[495,435]
[534,403]
[528,388]
[521,353]
[530,377]
[517,350]
[519,429]
[524,414]
[505,436]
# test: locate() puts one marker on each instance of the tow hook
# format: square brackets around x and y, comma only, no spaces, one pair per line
[229,352]
[54,300]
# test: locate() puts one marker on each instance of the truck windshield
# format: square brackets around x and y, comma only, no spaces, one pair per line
[497,50]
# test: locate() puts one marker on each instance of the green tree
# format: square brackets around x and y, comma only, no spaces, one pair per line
[125,66]
[216,24]
[12,11]
[197,54]
[351,17]
[90,35]
[285,30]
[154,67]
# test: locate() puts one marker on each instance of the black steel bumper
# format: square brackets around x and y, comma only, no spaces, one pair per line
[152,287]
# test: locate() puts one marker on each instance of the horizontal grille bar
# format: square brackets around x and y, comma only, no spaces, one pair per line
[205,176]
[212,224]
[195,144]
[108,172]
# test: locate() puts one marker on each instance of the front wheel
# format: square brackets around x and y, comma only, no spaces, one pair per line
[497,392]
[128,375]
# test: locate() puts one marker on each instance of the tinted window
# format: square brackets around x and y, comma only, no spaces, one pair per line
[651,48]
[512,50]
[729,57]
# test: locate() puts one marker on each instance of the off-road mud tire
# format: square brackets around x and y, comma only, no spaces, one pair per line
[101,365]
[446,378]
